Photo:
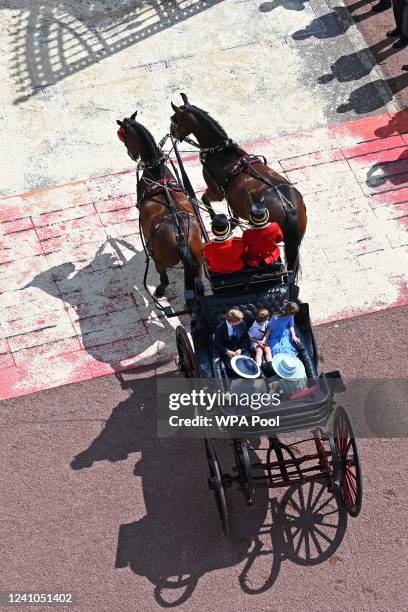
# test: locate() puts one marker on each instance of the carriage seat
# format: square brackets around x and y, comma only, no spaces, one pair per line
[248,276]
[212,308]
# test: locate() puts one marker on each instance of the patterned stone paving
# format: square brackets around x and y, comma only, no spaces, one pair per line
[72,302]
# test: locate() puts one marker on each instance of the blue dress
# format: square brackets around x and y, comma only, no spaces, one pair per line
[280,339]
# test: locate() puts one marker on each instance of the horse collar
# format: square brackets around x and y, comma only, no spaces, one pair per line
[205,151]
[151,164]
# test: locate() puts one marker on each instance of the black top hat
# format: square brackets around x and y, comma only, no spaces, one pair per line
[220,226]
[259,215]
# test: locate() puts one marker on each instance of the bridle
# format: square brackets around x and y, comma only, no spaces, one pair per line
[141,165]
[204,151]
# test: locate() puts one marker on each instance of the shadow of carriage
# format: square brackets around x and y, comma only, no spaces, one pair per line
[179,539]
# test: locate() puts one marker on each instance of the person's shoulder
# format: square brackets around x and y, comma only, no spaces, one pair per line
[236,240]
[275,227]
[222,323]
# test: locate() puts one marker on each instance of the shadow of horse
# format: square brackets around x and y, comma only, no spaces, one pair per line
[112,314]
[179,539]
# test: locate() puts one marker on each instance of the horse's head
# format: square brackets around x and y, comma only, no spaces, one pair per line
[183,121]
[128,134]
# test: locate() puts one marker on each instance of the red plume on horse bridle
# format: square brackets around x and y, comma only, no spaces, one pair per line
[121,131]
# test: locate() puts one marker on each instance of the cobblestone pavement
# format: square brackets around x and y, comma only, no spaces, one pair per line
[73,305]
[70,69]
[379,50]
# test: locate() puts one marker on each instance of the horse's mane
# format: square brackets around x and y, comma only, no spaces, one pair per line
[150,141]
[202,113]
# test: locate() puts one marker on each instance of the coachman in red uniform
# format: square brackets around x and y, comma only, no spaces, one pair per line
[260,241]
[225,253]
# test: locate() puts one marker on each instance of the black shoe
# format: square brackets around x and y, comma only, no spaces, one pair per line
[383,5]
[401,43]
[394,32]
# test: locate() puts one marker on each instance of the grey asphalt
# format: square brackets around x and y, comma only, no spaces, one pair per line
[94,503]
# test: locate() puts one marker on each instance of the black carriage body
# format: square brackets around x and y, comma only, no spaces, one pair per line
[336,458]
[208,311]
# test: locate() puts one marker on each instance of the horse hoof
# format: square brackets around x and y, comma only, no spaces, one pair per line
[159,293]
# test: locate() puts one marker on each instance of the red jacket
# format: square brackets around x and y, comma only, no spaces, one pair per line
[226,256]
[260,244]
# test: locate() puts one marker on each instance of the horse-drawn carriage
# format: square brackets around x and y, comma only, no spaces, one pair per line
[334,456]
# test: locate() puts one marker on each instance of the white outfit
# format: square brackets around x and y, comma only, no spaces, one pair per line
[257,331]
[230,328]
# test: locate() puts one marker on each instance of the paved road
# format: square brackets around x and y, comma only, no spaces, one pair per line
[95,502]
[98,505]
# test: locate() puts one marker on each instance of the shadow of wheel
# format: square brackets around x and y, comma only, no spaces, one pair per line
[314,522]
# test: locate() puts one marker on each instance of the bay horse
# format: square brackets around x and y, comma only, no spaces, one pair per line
[167,219]
[241,179]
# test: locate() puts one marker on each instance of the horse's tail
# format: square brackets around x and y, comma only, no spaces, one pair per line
[191,268]
[292,235]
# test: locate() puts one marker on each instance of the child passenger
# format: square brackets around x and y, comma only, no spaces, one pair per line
[256,334]
[231,338]
[280,335]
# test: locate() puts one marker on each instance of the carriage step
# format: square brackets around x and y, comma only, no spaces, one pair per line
[169,312]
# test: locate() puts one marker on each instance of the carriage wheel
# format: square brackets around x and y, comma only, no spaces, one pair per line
[215,483]
[334,457]
[245,470]
[351,484]
[187,361]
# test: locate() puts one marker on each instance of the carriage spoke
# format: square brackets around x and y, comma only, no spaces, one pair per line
[323,535]
[310,494]
[307,545]
[316,499]
[316,543]
[317,510]
[299,544]
[351,484]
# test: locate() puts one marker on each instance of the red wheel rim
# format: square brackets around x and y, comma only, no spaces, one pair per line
[350,482]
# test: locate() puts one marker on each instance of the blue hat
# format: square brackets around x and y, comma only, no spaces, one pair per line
[245,366]
[288,366]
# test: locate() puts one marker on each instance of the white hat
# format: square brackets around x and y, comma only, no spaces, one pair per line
[288,366]
[245,366]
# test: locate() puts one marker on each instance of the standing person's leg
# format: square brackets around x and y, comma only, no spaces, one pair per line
[404,22]
[382,5]
[397,9]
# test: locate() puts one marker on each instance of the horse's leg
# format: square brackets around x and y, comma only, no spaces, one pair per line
[164,281]
[208,205]
[212,194]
